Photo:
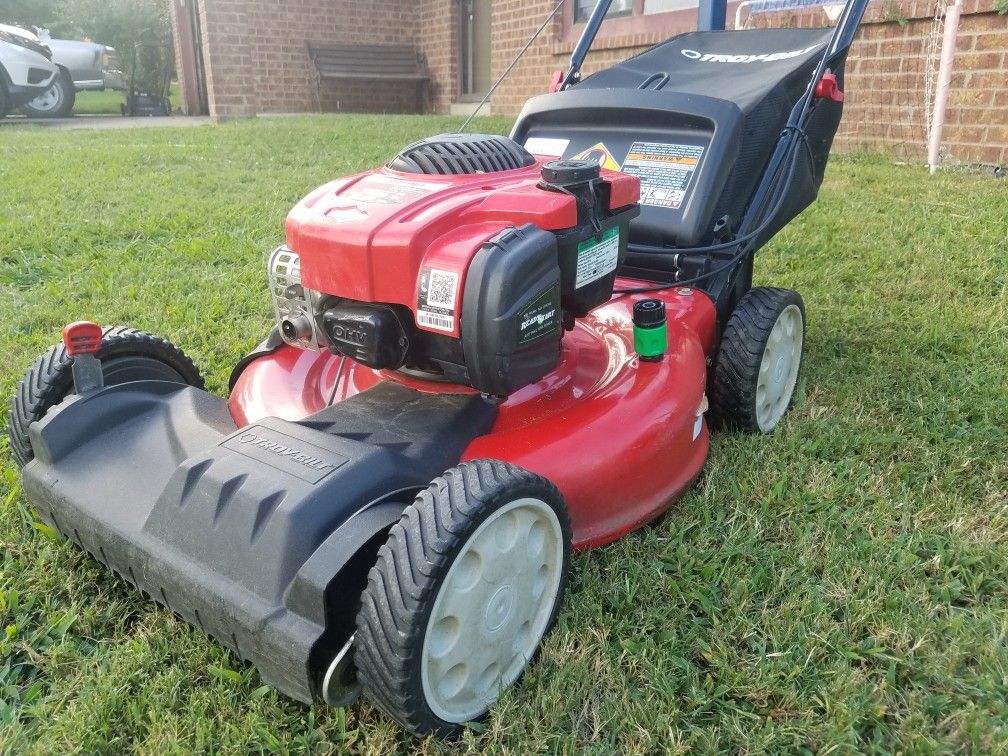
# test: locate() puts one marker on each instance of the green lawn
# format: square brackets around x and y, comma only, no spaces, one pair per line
[838,587]
[99,103]
[109,101]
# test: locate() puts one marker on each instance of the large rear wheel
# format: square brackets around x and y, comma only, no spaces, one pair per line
[126,355]
[469,582]
[759,360]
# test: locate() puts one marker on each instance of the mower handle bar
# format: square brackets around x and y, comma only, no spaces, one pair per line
[794,132]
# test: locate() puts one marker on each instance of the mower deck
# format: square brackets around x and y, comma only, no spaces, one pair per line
[580,426]
[240,531]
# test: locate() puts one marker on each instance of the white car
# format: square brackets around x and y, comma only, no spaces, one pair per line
[26,68]
[83,66]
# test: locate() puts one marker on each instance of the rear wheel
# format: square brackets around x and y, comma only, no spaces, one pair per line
[469,582]
[759,359]
[4,99]
[126,355]
[55,102]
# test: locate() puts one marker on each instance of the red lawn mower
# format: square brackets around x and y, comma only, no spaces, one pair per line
[488,352]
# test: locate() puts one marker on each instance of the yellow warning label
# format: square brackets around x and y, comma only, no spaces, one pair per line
[634,157]
[599,154]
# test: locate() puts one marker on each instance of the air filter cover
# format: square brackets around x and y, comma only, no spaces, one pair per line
[460,154]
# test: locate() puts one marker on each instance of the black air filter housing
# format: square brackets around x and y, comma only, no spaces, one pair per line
[459,154]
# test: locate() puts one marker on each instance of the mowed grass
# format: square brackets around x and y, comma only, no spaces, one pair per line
[838,587]
[107,102]
[110,101]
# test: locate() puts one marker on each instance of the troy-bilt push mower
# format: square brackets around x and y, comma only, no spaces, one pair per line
[487,352]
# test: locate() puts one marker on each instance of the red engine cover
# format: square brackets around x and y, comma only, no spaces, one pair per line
[368,237]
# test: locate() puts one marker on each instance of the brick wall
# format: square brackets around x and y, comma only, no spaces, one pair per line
[437,40]
[257,60]
[886,74]
[887,78]
[514,22]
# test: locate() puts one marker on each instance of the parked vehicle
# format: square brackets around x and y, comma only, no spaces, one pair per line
[26,68]
[84,66]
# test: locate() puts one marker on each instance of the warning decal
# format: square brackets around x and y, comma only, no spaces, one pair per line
[596,259]
[665,171]
[599,154]
[436,299]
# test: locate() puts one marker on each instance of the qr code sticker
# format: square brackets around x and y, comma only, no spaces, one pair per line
[441,289]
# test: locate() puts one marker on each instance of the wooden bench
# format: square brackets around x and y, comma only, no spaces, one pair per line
[371,63]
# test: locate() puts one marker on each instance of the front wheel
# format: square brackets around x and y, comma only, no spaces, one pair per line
[126,355]
[55,102]
[468,584]
[756,370]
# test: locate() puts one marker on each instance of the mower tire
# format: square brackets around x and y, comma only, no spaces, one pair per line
[126,355]
[756,370]
[467,585]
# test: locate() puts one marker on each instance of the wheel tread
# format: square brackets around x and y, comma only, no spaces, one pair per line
[403,583]
[49,379]
[732,392]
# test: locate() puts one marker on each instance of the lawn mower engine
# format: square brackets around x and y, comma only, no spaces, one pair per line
[448,268]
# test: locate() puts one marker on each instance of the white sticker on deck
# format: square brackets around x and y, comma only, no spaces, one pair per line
[665,171]
[596,259]
[546,146]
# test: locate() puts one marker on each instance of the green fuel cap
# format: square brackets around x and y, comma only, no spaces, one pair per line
[650,331]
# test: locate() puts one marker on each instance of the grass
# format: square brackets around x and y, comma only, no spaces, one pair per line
[106,102]
[109,101]
[838,587]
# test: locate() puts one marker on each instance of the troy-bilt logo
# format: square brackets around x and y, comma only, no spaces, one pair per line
[295,455]
[760,58]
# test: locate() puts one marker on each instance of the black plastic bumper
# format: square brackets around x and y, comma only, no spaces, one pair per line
[260,536]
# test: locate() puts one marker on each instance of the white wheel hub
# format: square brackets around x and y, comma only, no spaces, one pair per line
[48,100]
[492,609]
[778,372]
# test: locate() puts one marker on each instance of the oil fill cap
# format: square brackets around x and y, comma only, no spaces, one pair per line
[568,172]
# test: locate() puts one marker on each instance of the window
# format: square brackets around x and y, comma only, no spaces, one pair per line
[653,19]
[666,6]
[583,9]
[636,16]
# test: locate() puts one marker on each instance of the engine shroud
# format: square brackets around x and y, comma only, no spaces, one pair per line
[435,266]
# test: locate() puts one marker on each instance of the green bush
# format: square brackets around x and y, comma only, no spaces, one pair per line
[126,25]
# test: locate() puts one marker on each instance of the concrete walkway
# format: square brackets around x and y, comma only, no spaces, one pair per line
[104,122]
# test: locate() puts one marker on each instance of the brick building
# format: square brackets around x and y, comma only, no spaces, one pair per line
[243,57]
